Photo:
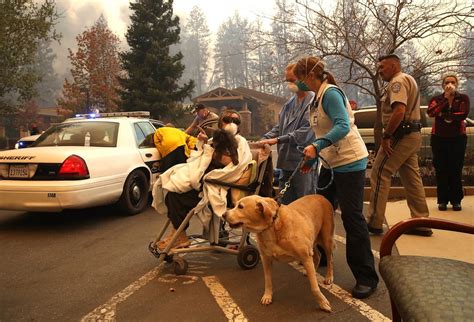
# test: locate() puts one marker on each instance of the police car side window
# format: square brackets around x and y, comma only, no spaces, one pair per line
[144,131]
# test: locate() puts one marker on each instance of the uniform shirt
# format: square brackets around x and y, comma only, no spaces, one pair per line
[167,139]
[449,120]
[402,89]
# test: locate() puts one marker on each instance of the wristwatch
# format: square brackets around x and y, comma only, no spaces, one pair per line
[386,136]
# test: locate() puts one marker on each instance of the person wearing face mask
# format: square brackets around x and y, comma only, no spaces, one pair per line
[341,145]
[448,141]
[291,132]
[183,187]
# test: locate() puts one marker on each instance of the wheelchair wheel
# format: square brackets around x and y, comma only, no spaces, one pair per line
[248,257]
[180,265]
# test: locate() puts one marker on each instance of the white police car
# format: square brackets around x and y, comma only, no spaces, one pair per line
[83,162]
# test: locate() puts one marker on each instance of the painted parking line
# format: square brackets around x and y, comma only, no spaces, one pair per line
[106,312]
[224,300]
[342,240]
[361,307]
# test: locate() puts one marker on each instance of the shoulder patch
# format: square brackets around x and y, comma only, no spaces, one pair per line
[395,88]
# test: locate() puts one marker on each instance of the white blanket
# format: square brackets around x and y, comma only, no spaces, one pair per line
[186,176]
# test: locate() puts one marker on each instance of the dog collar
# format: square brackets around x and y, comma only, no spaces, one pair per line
[275,216]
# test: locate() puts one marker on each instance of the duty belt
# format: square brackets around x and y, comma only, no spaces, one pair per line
[407,128]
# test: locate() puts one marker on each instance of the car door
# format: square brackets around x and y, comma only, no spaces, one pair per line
[144,132]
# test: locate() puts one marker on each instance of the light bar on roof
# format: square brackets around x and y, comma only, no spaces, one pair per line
[144,114]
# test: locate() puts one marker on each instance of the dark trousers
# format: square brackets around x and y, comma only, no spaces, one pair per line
[301,185]
[173,158]
[347,189]
[448,160]
[179,204]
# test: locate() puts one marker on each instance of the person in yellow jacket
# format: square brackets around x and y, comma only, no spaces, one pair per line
[173,145]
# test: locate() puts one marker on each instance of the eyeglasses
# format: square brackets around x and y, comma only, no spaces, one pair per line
[229,119]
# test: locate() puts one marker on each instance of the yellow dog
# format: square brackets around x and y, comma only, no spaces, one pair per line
[289,233]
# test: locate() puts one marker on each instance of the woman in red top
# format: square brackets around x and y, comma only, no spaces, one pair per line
[448,141]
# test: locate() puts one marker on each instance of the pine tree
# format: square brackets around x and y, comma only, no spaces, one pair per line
[196,48]
[49,86]
[153,73]
[231,57]
[23,24]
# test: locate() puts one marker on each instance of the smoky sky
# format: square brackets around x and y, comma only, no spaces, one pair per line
[74,21]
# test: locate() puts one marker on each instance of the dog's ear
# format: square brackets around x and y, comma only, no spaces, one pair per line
[260,208]
[265,210]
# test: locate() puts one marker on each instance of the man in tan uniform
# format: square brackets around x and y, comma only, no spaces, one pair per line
[400,144]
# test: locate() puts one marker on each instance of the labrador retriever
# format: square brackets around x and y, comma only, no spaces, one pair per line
[289,233]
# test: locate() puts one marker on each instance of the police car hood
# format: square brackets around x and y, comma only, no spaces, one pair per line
[47,154]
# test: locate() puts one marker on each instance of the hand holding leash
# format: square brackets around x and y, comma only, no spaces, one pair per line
[310,158]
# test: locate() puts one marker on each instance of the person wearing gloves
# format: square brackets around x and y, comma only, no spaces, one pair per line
[340,144]
[291,132]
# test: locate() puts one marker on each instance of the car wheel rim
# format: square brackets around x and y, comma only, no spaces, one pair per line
[135,193]
[371,158]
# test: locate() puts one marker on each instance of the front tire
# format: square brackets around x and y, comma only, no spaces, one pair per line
[134,197]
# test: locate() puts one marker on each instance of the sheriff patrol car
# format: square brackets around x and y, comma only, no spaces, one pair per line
[86,161]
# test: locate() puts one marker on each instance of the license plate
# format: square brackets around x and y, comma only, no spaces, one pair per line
[19,171]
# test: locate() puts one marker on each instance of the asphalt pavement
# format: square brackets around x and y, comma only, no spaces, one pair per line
[94,265]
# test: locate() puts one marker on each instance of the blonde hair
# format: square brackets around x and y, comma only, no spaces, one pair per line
[315,65]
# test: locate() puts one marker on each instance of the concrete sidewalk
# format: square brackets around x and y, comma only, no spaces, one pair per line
[443,244]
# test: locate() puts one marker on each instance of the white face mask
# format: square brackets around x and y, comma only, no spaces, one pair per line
[292,87]
[231,127]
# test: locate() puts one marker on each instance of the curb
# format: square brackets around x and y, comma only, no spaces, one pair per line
[399,192]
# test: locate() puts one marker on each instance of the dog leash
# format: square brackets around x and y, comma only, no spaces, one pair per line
[282,192]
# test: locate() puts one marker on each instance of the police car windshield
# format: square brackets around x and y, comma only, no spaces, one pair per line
[99,134]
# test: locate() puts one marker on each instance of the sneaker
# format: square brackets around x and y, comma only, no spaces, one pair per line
[457,207]
[425,232]
[375,231]
[442,207]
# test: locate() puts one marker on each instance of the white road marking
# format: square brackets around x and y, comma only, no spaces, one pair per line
[106,312]
[224,300]
[343,241]
[361,307]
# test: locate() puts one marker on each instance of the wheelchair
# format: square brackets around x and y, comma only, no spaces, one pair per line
[258,181]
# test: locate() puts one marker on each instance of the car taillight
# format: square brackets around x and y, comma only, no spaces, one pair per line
[74,167]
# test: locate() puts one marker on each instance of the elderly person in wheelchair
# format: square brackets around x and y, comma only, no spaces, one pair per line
[183,187]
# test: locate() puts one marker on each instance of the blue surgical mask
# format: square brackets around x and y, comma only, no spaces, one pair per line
[302,86]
